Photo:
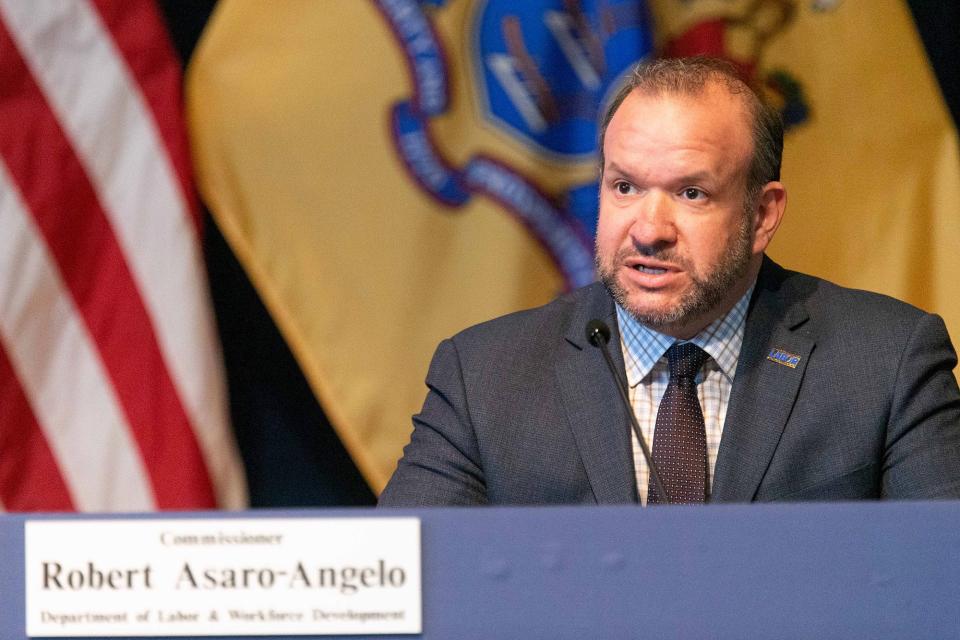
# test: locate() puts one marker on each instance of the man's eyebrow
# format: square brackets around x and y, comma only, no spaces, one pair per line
[696,176]
[690,178]
[613,167]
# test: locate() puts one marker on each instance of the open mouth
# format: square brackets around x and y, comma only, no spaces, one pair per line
[651,270]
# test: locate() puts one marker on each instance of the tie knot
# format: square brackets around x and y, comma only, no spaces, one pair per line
[685,360]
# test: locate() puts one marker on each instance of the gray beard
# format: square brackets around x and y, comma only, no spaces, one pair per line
[707,292]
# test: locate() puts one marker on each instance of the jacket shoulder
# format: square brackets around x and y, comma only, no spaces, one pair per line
[846,306]
[555,319]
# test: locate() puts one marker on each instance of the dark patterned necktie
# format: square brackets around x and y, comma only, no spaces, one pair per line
[680,438]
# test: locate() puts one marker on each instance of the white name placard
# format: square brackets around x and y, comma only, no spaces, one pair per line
[216,577]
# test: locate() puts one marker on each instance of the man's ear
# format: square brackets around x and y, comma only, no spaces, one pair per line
[769,212]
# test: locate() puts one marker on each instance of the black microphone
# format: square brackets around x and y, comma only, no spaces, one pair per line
[598,334]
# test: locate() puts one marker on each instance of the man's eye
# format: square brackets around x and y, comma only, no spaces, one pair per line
[692,193]
[623,188]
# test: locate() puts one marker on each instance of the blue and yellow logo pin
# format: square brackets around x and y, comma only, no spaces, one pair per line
[785,358]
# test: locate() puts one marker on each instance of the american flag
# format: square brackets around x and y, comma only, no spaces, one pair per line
[112,394]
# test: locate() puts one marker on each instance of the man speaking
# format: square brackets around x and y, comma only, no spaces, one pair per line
[731,379]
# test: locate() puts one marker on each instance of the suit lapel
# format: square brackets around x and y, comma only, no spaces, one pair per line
[592,404]
[764,389]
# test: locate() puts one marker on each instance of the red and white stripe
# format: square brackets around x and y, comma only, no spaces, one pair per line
[111,385]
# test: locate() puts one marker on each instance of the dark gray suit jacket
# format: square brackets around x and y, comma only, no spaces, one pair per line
[522,410]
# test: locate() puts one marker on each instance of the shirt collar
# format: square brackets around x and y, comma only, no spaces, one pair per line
[721,339]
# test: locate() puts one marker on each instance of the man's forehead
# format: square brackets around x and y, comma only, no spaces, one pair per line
[673,134]
[712,113]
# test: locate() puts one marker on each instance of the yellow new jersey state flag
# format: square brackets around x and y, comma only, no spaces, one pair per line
[871,159]
[391,171]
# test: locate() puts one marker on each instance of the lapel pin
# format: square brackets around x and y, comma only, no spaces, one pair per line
[785,358]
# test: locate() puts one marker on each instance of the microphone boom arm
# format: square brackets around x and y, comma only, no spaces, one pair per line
[598,334]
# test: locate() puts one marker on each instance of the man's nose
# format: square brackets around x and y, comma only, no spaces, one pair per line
[654,223]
